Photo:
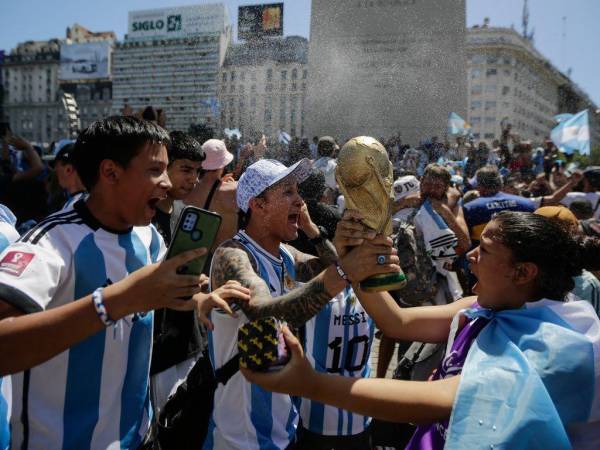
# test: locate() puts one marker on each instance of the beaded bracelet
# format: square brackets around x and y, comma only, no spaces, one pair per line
[100,308]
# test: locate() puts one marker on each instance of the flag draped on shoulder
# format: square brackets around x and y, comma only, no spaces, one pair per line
[572,133]
[531,380]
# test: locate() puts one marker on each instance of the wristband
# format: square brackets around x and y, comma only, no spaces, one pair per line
[341,273]
[100,308]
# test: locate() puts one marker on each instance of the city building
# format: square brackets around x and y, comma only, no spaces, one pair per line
[262,86]
[2,55]
[509,81]
[87,74]
[32,103]
[170,59]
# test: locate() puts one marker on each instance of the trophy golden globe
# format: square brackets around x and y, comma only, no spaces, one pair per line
[365,177]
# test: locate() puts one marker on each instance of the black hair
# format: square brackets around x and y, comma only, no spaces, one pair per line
[117,138]
[184,146]
[150,113]
[313,187]
[551,246]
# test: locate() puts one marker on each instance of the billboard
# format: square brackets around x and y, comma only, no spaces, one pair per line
[260,20]
[177,22]
[88,61]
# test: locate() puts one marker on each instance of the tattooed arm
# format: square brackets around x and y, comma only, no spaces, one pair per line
[307,266]
[232,262]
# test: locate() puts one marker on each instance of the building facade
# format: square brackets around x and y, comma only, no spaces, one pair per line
[93,93]
[509,81]
[262,87]
[31,96]
[170,60]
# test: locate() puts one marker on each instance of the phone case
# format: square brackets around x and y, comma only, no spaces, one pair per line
[261,345]
[195,228]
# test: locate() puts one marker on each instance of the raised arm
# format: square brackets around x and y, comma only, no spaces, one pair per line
[29,340]
[232,262]
[421,323]
[390,400]
[560,193]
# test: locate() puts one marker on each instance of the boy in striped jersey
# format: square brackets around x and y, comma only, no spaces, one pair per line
[284,283]
[85,386]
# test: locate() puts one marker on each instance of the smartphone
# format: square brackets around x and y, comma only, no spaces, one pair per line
[195,228]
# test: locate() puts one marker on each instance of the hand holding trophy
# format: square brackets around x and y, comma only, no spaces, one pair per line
[365,176]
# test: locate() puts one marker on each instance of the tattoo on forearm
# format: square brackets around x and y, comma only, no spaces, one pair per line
[308,266]
[231,262]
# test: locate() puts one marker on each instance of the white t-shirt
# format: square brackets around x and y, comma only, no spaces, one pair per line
[592,197]
[95,394]
[327,166]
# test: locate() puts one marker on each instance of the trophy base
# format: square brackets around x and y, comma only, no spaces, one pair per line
[384,282]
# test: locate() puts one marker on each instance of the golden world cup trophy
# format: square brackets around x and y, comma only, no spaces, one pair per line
[365,176]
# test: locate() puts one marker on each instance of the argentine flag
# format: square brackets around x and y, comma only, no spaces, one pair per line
[230,132]
[284,138]
[458,125]
[531,380]
[213,104]
[572,133]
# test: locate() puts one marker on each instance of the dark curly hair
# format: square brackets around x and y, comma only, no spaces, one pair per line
[551,246]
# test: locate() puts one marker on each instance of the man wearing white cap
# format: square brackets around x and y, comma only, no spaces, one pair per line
[404,187]
[216,191]
[246,417]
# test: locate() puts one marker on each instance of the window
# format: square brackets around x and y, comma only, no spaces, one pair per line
[505,90]
[476,104]
[269,87]
[282,112]
[295,74]
[232,76]
[269,74]
[477,59]
[475,120]
[490,105]
[284,74]
[492,59]
[243,77]
[491,72]
[476,89]
[304,74]
[490,119]
[224,77]
[475,73]
[491,88]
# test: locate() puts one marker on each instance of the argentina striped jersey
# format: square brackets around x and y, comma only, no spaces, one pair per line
[338,341]
[245,416]
[95,394]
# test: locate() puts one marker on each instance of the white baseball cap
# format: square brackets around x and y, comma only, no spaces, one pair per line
[406,185]
[265,173]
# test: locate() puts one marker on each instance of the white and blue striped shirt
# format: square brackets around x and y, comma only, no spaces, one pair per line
[245,416]
[95,394]
[338,341]
[8,234]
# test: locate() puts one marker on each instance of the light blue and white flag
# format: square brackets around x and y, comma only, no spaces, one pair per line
[531,380]
[457,125]
[573,134]
[230,132]
[562,117]
[213,104]
[284,138]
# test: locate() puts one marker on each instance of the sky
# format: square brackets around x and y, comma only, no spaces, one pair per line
[22,20]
